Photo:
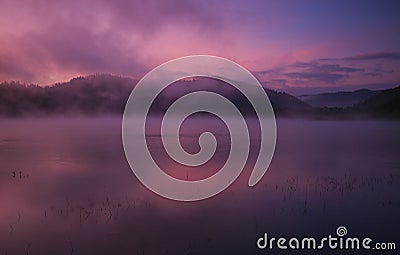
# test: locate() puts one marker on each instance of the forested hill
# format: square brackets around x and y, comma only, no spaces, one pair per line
[107,94]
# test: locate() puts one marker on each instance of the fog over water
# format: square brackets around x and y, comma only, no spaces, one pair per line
[66,188]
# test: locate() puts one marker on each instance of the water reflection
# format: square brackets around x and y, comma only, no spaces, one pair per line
[77,194]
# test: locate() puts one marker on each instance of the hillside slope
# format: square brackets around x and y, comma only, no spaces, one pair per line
[339,99]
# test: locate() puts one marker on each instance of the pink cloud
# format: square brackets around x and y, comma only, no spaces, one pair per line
[50,41]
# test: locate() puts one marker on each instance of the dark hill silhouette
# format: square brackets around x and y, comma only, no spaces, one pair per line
[286,105]
[92,95]
[384,105]
[106,94]
[339,99]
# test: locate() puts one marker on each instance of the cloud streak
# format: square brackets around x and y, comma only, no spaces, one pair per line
[331,74]
[375,56]
[50,41]
[331,78]
[125,37]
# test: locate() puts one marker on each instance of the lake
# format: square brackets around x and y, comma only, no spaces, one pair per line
[66,188]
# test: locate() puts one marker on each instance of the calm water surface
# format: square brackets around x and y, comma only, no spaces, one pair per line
[66,188]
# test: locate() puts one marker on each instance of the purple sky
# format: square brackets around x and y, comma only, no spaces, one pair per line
[295,46]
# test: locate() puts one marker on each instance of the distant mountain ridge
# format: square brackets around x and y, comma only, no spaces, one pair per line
[383,105]
[340,99]
[107,94]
